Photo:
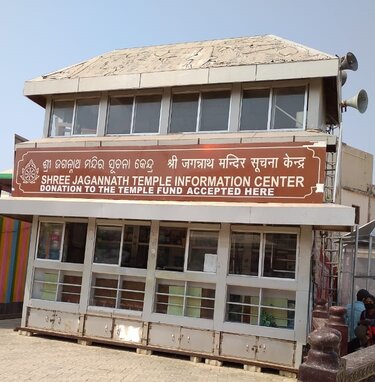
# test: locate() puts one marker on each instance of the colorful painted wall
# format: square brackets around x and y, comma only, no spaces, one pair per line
[14,249]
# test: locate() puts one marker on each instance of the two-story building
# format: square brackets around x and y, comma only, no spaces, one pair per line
[175,196]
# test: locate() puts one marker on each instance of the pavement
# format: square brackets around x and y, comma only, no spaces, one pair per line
[38,358]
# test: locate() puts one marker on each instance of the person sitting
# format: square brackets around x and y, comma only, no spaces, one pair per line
[358,308]
[365,330]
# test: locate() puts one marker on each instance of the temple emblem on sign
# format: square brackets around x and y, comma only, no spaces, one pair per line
[30,173]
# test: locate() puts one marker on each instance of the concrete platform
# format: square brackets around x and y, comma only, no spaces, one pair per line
[36,358]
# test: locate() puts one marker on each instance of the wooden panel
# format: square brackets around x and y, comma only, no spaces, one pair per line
[196,340]
[238,346]
[98,327]
[276,351]
[164,336]
[127,331]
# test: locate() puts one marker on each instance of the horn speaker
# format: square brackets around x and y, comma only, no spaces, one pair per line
[358,101]
[349,61]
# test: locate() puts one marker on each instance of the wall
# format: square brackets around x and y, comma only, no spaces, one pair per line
[14,248]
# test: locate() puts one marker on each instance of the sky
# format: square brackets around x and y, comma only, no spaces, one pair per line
[40,36]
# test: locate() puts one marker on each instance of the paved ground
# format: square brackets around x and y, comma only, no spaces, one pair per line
[44,359]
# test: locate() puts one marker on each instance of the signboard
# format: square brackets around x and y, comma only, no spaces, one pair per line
[275,172]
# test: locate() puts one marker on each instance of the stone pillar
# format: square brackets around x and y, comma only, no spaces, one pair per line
[323,362]
[336,321]
[320,309]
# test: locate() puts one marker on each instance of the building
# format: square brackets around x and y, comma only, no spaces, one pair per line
[176,196]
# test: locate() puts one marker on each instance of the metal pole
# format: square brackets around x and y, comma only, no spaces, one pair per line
[354,265]
[338,166]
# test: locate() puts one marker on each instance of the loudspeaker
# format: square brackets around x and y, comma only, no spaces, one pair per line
[358,101]
[349,61]
[343,77]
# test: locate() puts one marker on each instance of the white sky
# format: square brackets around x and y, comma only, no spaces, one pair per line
[41,36]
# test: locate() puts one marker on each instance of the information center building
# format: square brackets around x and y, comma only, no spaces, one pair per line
[175,194]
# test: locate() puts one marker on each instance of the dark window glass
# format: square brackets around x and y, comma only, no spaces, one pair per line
[107,245]
[120,115]
[147,114]
[74,242]
[184,113]
[254,112]
[61,119]
[135,246]
[203,251]
[50,237]
[86,120]
[214,111]
[280,255]
[244,253]
[171,248]
[287,108]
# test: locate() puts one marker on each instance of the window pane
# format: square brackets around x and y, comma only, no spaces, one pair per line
[45,284]
[184,113]
[244,253]
[170,298]
[280,255]
[147,114]
[287,106]
[70,287]
[135,246]
[61,119]
[50,236]
[120,115]
[107,245]
[254,112]
[104,291]
[74,242]
[203,251]
[278,309]
[86,120]
[200,301]
[243,305]
[132,295]
[214,111]
[171,248]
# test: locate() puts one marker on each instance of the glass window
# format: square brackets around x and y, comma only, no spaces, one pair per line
[181,298]
[74,242]
[244,253]
[243,305]
[50,240]
[280,255]
[55,285]
[277,309]
[120,115]
[135,246]
[147,114]
[119,292]
[171,248]
[288,108]
[86,118]
[214,111]
[184,113]
[61,119]
[254,111]
[202,255]
[107,245]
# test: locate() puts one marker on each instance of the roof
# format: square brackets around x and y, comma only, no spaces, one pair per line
[334,217]
[245,59]
[195,55]
[364,232]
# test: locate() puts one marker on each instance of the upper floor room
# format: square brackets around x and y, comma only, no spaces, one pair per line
[252,84]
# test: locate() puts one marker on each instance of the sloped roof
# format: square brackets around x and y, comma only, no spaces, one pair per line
[256,50]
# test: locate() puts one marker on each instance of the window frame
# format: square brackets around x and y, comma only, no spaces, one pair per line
[270,114]
[74,115]
[200,91]
[262,247]
[62,240]
[104,223]
[189,228]
[133,96]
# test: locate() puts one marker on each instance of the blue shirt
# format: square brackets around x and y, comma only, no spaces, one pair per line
[359,307]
